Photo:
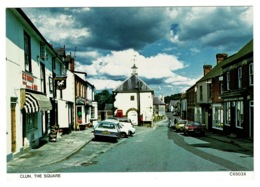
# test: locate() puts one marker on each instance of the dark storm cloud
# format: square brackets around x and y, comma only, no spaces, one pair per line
[114,28]
[123,28]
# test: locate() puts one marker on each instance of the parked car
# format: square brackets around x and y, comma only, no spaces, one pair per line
[194,127]
[179,126]
[128,124]
[107,128]
[130,128]
[124,130]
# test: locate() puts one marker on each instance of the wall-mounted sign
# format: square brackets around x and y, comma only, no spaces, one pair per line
[60,83]
[28,81]
[80,101]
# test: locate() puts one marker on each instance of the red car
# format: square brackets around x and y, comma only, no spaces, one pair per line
[194,127]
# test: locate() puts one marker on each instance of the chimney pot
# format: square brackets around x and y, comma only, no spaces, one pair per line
[220,57]
[207,68]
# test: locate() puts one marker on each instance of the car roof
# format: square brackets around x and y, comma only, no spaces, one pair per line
[109,121]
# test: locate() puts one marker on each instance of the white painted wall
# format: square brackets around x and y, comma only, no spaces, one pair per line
[124,102]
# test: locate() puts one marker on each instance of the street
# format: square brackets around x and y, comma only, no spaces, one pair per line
[153,150]
[165,150]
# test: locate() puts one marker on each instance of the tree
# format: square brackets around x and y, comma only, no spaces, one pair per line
[177,96]
[104,97]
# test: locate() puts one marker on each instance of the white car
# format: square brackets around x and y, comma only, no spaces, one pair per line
[129,126]
[107,129]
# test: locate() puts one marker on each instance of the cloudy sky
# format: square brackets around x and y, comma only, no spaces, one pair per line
[168,44]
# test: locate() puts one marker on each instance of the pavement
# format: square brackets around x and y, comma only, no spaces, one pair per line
[69,144]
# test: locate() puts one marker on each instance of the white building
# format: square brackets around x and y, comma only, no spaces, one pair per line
[134,99]
[85,106]
[29,62]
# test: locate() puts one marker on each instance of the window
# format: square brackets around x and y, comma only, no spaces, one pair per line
[132,97]
[210,90]
[251,74]
[50,84]
[218,116]
[43,53]
[239,114]
[228,113]
[43,85]
[228,80]
[201,93]
[221,88]
[31,121]
[239,73]
[27,52]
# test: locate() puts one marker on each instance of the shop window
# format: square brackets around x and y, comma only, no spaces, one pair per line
[239,114]
[228,113]
[218,117]
[31,121]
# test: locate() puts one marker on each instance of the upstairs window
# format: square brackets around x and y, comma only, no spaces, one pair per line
[43,53]
[221,88]
[210,90]
[132,97]
[251,74]
[27,53]
[201,93]
[228,80]
[239,73]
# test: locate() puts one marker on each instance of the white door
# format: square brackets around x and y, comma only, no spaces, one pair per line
[133,116]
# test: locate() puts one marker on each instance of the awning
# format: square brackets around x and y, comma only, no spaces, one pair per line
[36,102]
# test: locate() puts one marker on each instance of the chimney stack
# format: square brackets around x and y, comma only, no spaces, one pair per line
[220,57]
[207,68]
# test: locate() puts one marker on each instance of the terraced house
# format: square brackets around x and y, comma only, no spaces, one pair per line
[238,92]
[40,92]
[223,98]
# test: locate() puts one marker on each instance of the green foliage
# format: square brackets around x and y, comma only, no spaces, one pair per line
[104,97]
[177,96]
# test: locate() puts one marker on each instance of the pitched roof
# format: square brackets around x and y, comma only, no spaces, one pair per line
[157,101]
[247,49]
[133,83]
[217,70]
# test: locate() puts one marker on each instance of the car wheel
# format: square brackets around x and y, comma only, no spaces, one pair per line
[123,135]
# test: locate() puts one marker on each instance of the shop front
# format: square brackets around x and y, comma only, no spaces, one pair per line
[34,107]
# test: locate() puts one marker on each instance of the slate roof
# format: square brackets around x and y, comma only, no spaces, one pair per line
[157,101]
[217,70]
[132,84]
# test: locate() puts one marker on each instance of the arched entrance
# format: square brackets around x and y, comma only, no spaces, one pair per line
[132,114]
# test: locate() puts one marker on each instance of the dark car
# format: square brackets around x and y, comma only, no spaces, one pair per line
[194,127]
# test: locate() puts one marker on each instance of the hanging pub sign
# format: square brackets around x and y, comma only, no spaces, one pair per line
[60,83]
